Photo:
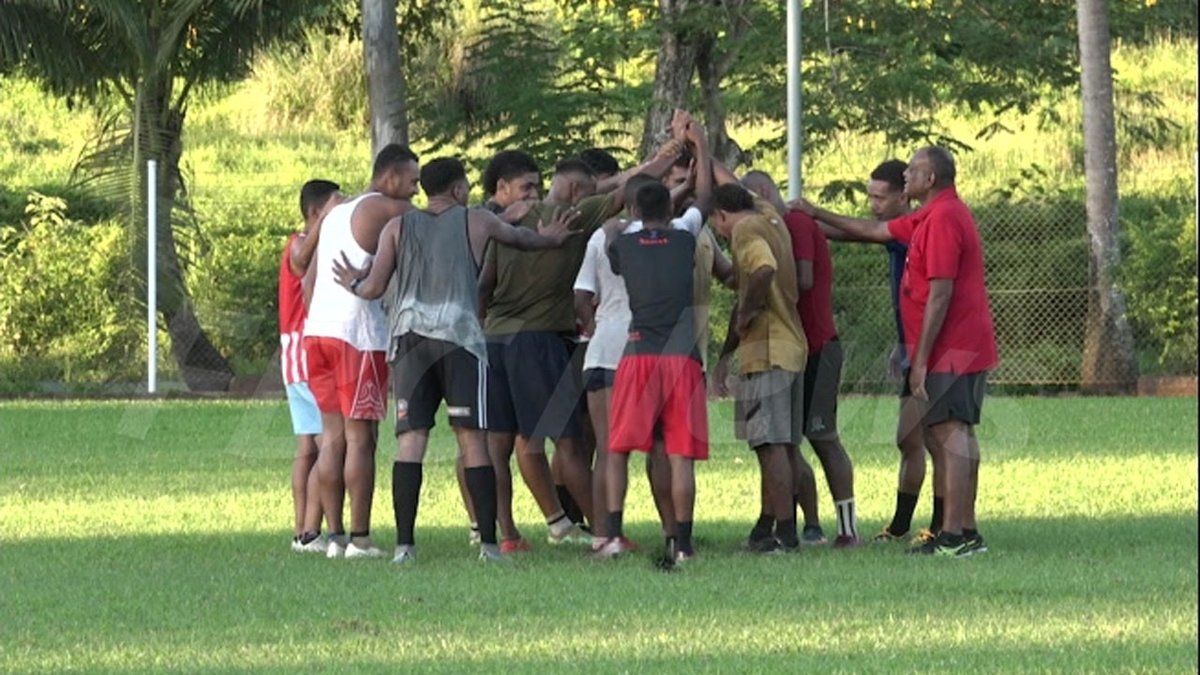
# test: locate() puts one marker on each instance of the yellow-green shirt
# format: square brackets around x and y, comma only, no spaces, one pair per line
[775,338]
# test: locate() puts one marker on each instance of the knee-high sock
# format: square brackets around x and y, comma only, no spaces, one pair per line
[481,483]
[406,494]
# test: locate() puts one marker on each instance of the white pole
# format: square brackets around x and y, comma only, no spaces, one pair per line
[795,185]
[152,275]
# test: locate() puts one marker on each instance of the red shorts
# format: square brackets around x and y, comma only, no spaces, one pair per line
[346,381]
[655,390]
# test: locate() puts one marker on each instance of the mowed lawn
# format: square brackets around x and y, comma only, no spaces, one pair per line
[154,537]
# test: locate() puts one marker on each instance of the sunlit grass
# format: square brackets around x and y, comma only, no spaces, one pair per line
[146,537]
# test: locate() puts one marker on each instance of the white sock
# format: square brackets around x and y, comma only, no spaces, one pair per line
[847,522]
[559,525]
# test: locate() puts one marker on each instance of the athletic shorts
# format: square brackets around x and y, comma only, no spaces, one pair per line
[345,381]
[769,407]
[822,379]
[426,372]
[659,390]
[531,389]
[598,379]
[954,396]
[306,416]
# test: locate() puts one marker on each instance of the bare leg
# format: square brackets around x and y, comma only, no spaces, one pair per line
[361,437]
[805,484]
[460,473]
[331,470]
[662,487]
[952,440]
[500,450]
[618,480]
[598,410]
[776,475]
[910,439]
[535,469]
[683,487]
[312,500]
[973,485]
[302,469]
[839,472]
[574,457]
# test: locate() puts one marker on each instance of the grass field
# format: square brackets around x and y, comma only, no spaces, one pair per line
[153,537]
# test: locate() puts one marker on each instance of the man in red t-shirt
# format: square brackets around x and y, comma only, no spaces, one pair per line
[948,331]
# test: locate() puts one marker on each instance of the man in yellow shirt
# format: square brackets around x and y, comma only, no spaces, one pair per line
[770,347]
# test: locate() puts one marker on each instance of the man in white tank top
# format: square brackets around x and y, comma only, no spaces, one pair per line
[346,338]
[436,343]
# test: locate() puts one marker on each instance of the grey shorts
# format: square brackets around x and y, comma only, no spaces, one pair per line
[822,379]
[769,408]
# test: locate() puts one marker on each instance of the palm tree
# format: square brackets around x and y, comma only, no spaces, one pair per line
[149,56]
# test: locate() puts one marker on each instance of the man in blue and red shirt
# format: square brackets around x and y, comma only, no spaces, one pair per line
[948,330]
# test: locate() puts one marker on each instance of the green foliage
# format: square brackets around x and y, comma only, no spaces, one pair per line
[1158,275]
[67,307]
[318,82]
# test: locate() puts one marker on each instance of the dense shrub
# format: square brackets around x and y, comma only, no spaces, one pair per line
[67,308]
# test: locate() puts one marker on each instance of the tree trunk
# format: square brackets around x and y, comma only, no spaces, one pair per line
[711,71]
[386,87]
[1109,363]
[158,133]
[672,73]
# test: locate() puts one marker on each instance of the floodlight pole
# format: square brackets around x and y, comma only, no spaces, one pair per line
[795,184]
[151,276]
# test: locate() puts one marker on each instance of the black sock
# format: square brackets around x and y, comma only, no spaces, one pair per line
[570,506]
[902,520]
[481,484]
[762,528]
[969,533]
[614,523]
[935,523]
[683,537]
[406,494]
[785,532]
[309,537]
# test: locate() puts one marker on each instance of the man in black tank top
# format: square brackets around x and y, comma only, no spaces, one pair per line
[430,361]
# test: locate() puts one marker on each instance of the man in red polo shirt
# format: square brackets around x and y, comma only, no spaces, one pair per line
[948,331]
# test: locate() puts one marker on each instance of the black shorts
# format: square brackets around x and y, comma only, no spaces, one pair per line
[425,372]
[954,396]
[822,379]
[598,379]
[532,389]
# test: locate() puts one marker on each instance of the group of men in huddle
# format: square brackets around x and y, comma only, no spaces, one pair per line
[582,318]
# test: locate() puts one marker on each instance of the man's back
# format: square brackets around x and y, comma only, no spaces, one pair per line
[774,339]
[335,312]
[657,267]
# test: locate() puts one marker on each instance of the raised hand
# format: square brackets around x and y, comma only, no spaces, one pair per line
[679,124]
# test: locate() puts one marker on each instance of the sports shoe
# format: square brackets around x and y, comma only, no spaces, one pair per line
[366,550]
[922,537]
[766,546]
[473,539]
[336,547]
[490,554]
[847,541]
[813,535]
[518,545]
[975,545]
[950,546]
[572,535]
[317,545]
[885,536]
[404,556]
[752,543]
[926,547]
[684,557]
[610,547]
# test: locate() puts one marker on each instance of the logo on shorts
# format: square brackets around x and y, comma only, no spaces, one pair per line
[817,424]
[458,411]
[401,409]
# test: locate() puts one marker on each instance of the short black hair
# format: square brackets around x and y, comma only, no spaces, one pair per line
[506,165]
[574,165]
[601,161]
[392,156]
[942,163]
[653,201]
[636,181]
[892,173]
[733,198]
[438,176]
[315,193]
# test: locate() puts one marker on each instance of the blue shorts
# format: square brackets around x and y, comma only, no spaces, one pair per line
[306,417]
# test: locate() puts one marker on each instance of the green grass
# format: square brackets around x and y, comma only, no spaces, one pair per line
[153,536]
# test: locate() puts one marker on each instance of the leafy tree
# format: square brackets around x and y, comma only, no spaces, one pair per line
[148,55]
